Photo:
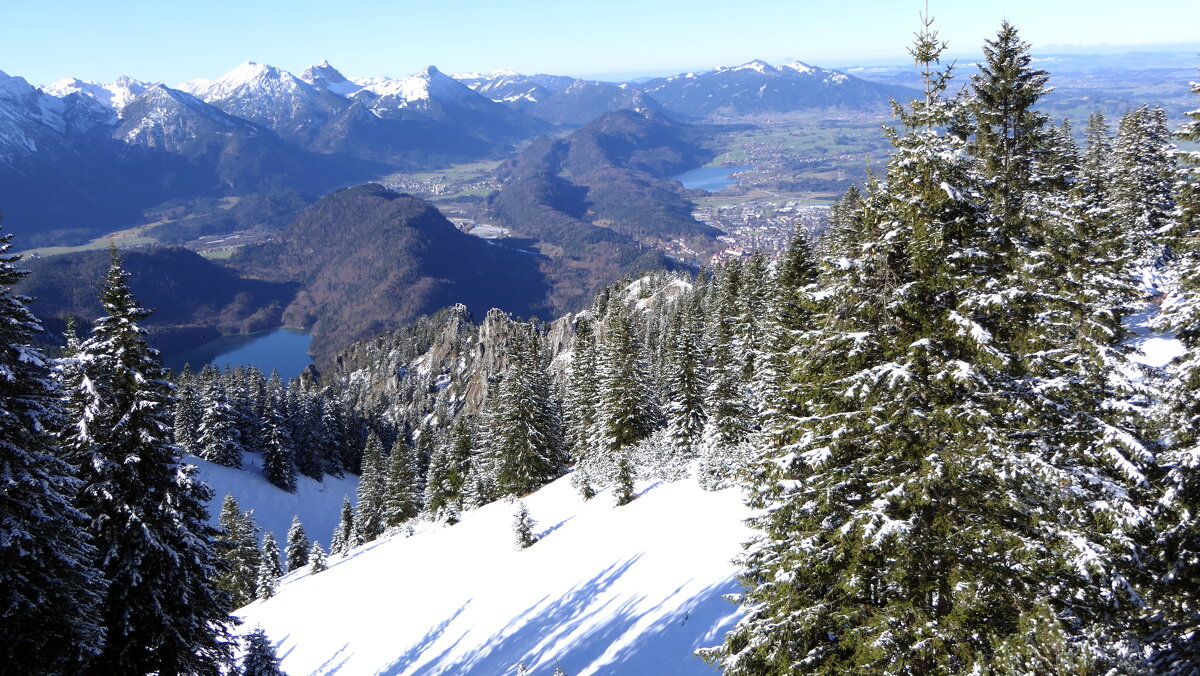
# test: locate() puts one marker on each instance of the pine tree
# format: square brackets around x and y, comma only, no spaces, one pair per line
[187,416]
[626,413]
[523,525]
[260,658]
[238,548]
[316,558]
[331,443]
[265,583]
[448,473]
[303,430]
[729,415]
[1143,183]
[402,498]
[271,555]
[524,434]
[297,545]
[372,490]
[217,437]
[914,521]
[343,534]
[1008,129]
[686,380]
[50,589]
[146,510]
[790,314]
[279,464]
[624,489]
[582,396]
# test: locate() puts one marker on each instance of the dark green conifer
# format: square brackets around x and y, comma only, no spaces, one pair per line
[297,545]
[372,490]
[50,587]
[146,510]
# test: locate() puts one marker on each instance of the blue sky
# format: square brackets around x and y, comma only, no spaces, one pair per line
[168,41]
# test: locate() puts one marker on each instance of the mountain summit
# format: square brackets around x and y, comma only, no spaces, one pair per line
[757,87]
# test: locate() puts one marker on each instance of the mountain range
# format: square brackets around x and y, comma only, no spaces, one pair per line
[80,158]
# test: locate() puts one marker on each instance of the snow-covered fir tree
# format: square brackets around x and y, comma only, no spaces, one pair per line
[316,558]
[217,438]
[1143,182]
[686,379]
[278,457]
[626,413]
[887,541]
[50,587]
[271,554]
[296,550]
[523,525]
[238,549]
[343,538]
[402,497]
[623,490]
[524,430]
[372,486]
[146,511]
[447,474]
[260,658]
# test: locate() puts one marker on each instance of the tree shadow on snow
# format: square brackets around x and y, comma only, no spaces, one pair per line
[542,535]
[417,650]
[575,630]
[329,667]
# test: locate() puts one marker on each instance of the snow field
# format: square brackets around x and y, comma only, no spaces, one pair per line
[318,503]
[607,590]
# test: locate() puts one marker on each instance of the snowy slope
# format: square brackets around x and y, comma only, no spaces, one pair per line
[318,503]
[628,590]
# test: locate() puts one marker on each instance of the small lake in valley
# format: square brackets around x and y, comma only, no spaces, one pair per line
[712,179]
[285,350]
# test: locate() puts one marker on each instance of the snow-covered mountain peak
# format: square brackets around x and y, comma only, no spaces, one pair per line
[757,65]
[253,79]
[800,67]
[428,84]
[115,95]
[324,76]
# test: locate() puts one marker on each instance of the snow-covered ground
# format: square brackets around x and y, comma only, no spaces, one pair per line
[607,590]
[319,503]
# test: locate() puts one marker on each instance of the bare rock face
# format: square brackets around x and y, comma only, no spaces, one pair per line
[446,365]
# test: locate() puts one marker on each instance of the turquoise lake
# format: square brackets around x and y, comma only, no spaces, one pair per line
[712,179]
[284,350]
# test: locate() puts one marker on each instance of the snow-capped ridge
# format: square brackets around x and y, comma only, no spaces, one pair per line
[116,94]
[252,78]
[428,84]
